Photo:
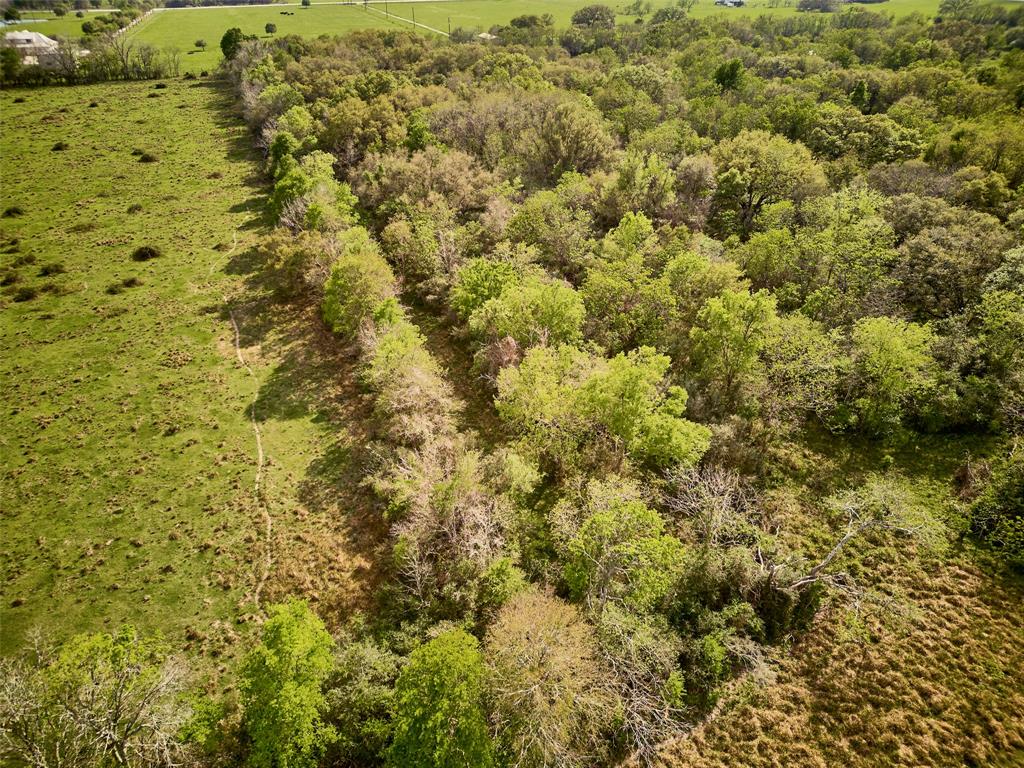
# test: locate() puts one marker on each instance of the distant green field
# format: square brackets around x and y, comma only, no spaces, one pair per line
[48,24]
[181,28]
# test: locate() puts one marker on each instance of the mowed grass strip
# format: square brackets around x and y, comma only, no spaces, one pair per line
[127,457]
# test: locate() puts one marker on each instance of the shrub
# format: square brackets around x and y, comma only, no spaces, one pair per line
[13,211]
[134,208]
[997,515]
[148,157]
[145,253]
[60,146]
[53,268]
[26,293]
[9,277]
[160,86]
[93,104]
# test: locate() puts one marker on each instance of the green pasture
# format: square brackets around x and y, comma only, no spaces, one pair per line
[127,457]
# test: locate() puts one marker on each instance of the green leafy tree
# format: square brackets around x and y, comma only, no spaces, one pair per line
[594,16]
[99,700]
[568,405]
[756,169]
[270,28]
[730,331]
[558,223]
[622,554]
[535,311]
[307,196]
[480,280]
[281,685]
[439,717]
[729,75]
[361,282]
[626,305]
[231,42]
[892,366]
[10,65]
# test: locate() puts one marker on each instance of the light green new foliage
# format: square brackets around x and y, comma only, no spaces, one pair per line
[326,204]
[439,719]
[99,700]
[893,365]
[730,331]
[622,553]
[361,282]
[281,689]
[563,400]
[533,312]
[480,280]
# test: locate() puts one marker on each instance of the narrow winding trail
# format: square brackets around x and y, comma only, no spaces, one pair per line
[259,497]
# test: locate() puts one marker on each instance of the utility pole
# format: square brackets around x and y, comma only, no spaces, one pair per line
[449,26]
[414,17]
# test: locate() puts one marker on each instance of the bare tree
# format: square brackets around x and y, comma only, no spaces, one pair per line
[716,506]
[123,49]
[99,698]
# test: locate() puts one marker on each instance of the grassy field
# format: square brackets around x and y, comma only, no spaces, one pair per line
[52,26]
[938,682]
[128,458]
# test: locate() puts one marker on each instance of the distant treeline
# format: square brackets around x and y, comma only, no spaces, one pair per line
[108,59]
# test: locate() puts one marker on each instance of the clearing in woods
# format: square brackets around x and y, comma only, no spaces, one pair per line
[128,454]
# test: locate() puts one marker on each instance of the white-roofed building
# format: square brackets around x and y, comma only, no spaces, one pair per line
[36,49]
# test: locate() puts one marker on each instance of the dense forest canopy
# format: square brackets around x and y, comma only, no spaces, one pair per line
[675,251]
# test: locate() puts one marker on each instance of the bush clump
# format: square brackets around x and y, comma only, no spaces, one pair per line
[53,268]
[26,293]
[60,146]
[148,157]
[160,86]
[12,211]
[134,208]
[145,253]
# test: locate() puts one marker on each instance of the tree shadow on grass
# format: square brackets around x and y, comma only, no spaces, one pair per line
[334,552]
